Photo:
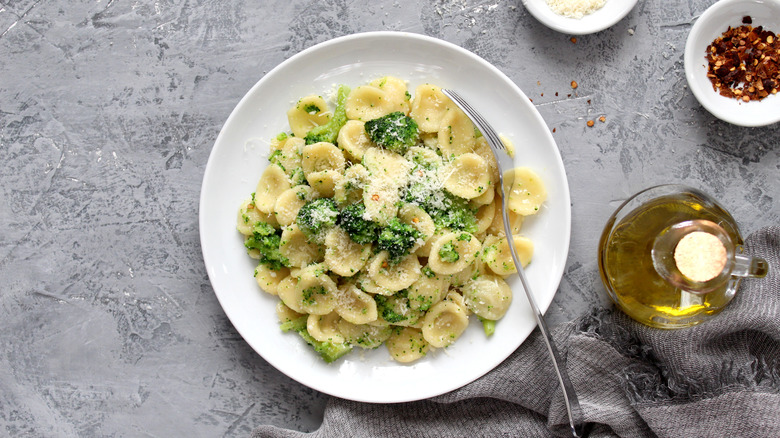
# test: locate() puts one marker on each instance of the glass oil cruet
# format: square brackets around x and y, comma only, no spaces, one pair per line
[671,257]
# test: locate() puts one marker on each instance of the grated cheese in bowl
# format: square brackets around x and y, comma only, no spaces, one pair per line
[575,8]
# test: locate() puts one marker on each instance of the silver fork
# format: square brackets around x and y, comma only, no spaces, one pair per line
[505,163]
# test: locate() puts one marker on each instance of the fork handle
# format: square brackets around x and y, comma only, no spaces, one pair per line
[573,409]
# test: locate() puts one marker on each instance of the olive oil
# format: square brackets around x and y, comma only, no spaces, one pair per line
[626,257]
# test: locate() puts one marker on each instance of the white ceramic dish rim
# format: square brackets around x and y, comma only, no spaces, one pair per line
[372,376]
[710,25]
[612,12]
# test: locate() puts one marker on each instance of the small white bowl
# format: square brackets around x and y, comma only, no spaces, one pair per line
[612,12]
[712,23]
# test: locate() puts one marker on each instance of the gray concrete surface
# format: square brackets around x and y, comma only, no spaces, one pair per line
[108,112]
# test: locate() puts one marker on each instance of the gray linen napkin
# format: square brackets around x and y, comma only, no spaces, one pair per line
[718,379]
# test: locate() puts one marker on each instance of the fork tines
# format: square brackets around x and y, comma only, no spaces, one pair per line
[482,124]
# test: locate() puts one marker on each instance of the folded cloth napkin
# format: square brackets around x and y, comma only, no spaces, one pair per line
[720,378]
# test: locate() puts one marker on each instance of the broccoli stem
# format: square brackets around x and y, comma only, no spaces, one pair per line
[330,131]
[489,325]
[294,325]
[329,351]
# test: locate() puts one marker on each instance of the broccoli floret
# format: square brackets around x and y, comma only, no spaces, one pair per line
[448,253]
[457,215]
[446,210]
[276,158]
[316,216]
[311,108]
[396,308]
[298,178]
[450,212]
[395,131]
[266,239]
[329,351]
[359,229]
[330,131]
[397,238]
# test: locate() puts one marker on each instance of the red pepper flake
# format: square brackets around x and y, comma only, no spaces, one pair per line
[573,40]
[744,62]
[574,84]
[415,219]
[590,123]
[602,119]
[553,130]
[375,197]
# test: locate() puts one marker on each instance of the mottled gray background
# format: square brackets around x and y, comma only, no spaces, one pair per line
[108,112]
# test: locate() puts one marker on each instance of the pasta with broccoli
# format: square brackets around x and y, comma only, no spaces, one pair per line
[378,222]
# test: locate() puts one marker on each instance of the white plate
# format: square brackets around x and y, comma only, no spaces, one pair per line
[609,14]
[239,157]
[712,23]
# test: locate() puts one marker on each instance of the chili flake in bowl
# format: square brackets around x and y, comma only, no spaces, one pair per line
[732,61]
[744,62]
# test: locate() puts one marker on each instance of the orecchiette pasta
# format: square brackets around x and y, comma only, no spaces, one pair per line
[429,108]
[269,279]
[368,102]
[290,201]
[286,314]
[389,229]
[322,156]
[453,252]
[527,192]
[353,140]
[273,182]
[307,113]
[391,276]
[419,219]
[356,306]
[249,215]
[444,324]
[497,256]
[344,256]
[364,335]
[488,297]
[396,92]
[297,249]
[315,291]
[466,176]
[324,328]
[456,134]
[407,345]
[427,291]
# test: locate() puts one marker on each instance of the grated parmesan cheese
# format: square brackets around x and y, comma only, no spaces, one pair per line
[575,8]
